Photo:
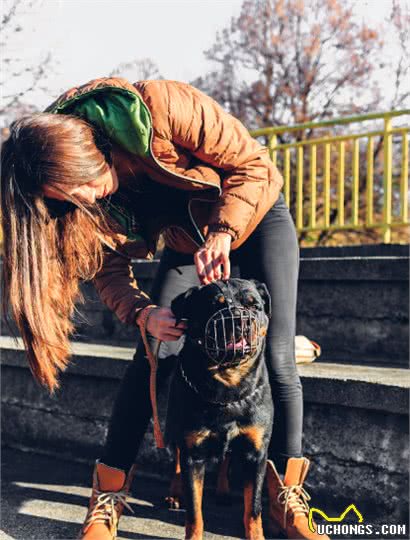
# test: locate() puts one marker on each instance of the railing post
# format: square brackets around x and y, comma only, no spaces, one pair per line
[286,174]
[355,183]
[326,188]
[273,141]
[313,187]
[341,185]
[299,187]
[369,182]
[405,179]
[387,179]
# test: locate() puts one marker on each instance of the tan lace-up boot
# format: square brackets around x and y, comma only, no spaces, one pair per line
[109,492]
[288,501]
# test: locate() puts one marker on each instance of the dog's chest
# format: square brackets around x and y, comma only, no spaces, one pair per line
[226,434]
[216,440]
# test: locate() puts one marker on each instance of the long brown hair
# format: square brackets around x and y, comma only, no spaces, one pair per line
[49,244]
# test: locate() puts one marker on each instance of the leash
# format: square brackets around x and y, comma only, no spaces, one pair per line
[153,362]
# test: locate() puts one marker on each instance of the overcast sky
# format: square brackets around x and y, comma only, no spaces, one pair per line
[89,38]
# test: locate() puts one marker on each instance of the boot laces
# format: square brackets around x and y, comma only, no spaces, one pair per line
[296,497]
[104,509]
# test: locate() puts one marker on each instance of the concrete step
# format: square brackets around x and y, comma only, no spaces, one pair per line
[342,383]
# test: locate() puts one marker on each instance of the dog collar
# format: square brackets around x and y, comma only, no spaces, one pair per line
[226,404]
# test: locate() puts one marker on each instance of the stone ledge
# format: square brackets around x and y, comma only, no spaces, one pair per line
[362,250]
[372,388]
[326,267]
[89,359]
[351,268]
[363,387]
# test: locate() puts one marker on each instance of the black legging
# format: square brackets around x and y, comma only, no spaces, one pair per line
[270,255]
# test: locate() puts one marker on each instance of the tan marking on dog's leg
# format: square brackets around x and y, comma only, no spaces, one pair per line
[253,525]
[194,527]
[174,500]
[177,461]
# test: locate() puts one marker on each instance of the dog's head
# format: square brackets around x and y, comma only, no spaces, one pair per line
[227,318]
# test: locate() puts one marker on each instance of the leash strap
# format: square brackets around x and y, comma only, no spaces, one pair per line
[153,362]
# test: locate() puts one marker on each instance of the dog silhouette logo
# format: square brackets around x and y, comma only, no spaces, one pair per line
[350,508]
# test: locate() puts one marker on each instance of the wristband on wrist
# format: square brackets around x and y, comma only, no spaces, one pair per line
[220,227]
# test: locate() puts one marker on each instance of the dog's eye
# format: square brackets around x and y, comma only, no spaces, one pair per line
[251,302]
[221,299]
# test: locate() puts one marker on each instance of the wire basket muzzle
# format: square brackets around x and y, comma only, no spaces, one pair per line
[232,333]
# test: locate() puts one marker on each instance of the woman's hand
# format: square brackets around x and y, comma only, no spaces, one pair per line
[161,324]
[214,253]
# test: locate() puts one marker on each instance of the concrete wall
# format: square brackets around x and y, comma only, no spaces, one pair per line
[355,303]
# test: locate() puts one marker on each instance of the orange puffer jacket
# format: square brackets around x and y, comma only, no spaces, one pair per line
[187,142]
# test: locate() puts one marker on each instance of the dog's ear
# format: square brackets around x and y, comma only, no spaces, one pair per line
[180,304]
[263,291]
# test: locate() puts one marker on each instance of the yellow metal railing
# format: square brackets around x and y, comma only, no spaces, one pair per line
[372,181]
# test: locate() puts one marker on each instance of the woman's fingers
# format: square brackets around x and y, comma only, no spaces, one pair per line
[216,272]
[169,337]
[161,324]
[209,271]
[214,268]
[226,265]
[211,256]
[200,266]
[172,331]
[204,265]
[170,334]
[182,325]
[208,266]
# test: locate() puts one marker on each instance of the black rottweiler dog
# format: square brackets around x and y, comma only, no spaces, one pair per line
[220,398]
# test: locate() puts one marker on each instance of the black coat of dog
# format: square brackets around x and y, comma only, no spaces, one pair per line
[220,397]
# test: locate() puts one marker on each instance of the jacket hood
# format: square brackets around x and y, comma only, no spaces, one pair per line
[115,106]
